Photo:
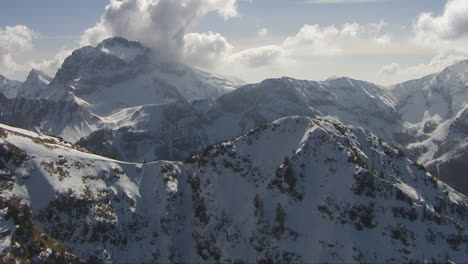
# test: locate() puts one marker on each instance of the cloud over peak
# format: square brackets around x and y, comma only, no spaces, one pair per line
[159,24]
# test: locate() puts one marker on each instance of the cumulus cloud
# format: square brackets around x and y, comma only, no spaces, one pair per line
[351,29]
[159,24]
[449,31]
[314,40]
[383,40]
[14,41]
[258,57]
[51,65]
[164,26]
[205,49]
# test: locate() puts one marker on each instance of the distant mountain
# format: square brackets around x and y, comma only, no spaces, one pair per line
[9,88]
[295,190]
[119,100]
[94,83]
[173,131]
[119,74]
[35,86]
[435,108]
[441,95]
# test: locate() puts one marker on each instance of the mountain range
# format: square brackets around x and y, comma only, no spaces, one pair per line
[340,170]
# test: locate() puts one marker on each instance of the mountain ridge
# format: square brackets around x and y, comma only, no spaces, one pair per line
[301,178]
[161,117]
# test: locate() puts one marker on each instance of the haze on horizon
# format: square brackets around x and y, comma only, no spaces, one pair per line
[383,41]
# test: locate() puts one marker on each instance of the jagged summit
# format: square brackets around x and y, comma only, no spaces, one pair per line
[37,77]
[35,86]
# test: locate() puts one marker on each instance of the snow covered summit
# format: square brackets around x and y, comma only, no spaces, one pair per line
[119,74]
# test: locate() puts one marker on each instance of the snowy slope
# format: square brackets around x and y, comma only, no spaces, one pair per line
[67,119]
[173,130]
[119,74]
[311,190]
[445,153]
[417,115]
[97,84]
[123,102]
[436,133]
[437,95]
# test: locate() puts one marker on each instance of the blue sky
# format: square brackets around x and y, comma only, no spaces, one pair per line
[381,41]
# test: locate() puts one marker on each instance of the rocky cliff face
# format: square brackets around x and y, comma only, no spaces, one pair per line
[295,190]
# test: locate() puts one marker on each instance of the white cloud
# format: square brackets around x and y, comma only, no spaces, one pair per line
[390,69]
[375,28]
[159,24]
[313,40]
[259,57]
[205,49]
[263,32]
[14,41]
[436,64]
[351,29]
[164,25]
[383,40]
[448,31]
[51,65]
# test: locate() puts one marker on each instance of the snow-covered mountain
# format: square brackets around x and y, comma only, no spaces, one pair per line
[445,152]
[390,113]
[295,190]
[119,74]
[35,86]
[95,83]
[119,100]
[172,131]
[436,96]
[436,130]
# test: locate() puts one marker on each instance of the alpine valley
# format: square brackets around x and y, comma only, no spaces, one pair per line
[123,157]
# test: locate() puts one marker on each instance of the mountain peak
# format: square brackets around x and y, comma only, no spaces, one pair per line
[119,41]
[343,81]
[37,76]
[122,48]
